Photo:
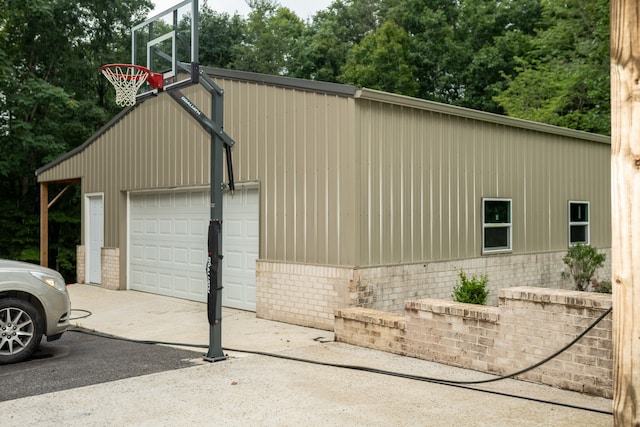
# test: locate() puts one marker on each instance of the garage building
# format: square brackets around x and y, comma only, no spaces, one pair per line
[344,197]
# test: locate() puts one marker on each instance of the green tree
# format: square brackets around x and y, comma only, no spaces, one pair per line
[271,33]
[321,51]
[380,61]
[51,94]
[220,37]
[563,79]
[463,50]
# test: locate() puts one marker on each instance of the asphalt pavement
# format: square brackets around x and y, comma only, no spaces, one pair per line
[282,388]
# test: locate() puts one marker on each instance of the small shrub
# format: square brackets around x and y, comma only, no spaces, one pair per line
[582,261]
[604,286]
[471,291]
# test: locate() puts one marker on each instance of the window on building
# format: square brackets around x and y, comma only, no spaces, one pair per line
[496,225]
[578,223]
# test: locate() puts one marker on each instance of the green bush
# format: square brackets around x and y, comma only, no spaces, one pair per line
[471,291]
[604,286]
[582,262]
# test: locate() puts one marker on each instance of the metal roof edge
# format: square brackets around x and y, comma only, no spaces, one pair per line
[288,82]
[85,144]
[376,95]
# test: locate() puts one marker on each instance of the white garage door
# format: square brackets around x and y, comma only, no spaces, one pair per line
[168,245]
[240,248]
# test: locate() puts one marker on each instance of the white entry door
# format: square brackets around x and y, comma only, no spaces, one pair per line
[95,238]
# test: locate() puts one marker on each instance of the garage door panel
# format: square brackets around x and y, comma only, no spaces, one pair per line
[250,261]
[234,291]
[198,228]
[165,254]
[151,227]
[253,229]
[233,261]
[165,281]
[165,227]
[181,227]
[232,229]
[198,286]
[136,253]
[198,259]
[150,254]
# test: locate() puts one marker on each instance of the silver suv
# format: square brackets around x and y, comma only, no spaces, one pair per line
[33,302]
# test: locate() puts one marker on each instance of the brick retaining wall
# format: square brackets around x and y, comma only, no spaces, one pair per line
[528,325]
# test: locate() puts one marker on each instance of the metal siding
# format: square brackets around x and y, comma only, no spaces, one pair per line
[300,146]
[424,174]
[353,181]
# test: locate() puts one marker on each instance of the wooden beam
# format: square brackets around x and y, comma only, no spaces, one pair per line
[44,224]
[55,199]
[625,204]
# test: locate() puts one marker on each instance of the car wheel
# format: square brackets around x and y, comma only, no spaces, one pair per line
[20,330]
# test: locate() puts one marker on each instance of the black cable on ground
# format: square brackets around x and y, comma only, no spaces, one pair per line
[452,383]
[88,313]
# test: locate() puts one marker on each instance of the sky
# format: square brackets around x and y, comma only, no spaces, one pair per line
[303,8]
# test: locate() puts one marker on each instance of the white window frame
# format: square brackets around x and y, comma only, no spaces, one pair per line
[586,223]
[508,225]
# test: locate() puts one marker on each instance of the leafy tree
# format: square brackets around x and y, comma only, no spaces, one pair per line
[51,99]
[379,61]
[220,36]
[564,78]
[463,50]
[321,51]
[271,33]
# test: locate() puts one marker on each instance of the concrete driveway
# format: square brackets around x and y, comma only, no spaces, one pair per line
[256,390]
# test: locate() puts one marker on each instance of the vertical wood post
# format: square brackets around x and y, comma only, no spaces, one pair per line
[44,224]
[625,204]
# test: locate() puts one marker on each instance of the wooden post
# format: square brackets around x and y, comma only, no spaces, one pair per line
[44,224]
[625,204]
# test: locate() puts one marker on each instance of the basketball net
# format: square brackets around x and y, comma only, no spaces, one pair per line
[126,79]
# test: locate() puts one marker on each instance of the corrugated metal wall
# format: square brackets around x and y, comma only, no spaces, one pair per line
[297,144]
[300,146]
[355,181]
[424,174]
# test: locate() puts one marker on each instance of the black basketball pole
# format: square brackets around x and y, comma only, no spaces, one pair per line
[220,143]
[214,300]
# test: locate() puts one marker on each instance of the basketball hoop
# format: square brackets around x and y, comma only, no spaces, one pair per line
[127,79]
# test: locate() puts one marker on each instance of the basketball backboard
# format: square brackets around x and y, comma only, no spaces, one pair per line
[167,43]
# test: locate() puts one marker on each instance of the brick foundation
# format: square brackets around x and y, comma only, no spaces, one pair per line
[301,294]
[307,295]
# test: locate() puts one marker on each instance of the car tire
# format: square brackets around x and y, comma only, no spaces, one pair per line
[20,330]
